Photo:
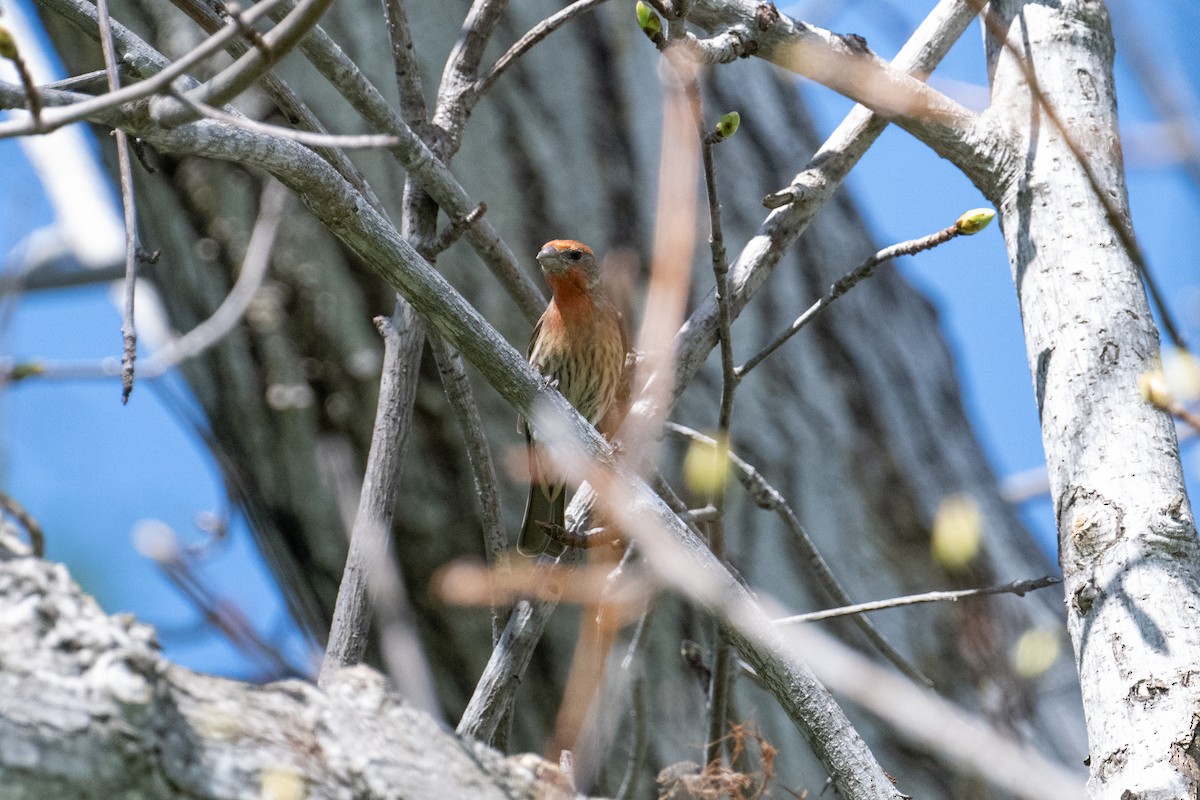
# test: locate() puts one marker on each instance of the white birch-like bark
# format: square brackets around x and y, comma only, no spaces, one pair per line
[1127,539]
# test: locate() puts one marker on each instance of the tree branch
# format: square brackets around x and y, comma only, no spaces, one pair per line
[846,65]
[810,190]
[1018,588]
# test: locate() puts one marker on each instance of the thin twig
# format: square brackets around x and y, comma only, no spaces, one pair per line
[632,662]
[722,659]
[845,284]
[366,141]
[535,34]
[125,168]
[250,66]
[479,455]
[286,100]
[255,262]
[159,543]
[10,51]
[88,107]
[205,334]
[1019,588]
[37,540]
[768,497]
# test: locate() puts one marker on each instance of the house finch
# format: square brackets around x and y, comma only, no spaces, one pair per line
[579,345]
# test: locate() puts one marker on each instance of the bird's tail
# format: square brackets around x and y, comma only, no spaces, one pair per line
[547,506]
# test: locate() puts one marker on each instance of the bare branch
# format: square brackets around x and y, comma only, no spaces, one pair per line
[242,73]
[111,717]
[768,497]
[811,189]
[346,142]
[408,71]
[1117,219]
[455,100]
[37,540]
[86,107]
[846,65]
[233,307]
[1019,588]
[848,282]
[523,45]
[125,169]
[292,107]
[371,574]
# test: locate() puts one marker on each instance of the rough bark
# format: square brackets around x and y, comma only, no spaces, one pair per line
[1127,538]
[90,709]
[858,422]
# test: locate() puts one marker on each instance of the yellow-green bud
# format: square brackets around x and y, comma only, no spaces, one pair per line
[27,369]
[1153,386]
[647,20]
[728,124]
[8,45]
[974,221]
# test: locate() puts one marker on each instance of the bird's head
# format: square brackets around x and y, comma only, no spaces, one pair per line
[567,260]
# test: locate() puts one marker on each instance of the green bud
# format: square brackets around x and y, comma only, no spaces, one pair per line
[8,45]
[648,21]
[728,124]
[974,221]
[28,369]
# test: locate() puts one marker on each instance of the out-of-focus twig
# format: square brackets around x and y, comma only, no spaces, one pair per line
[254,269]
[10,51]
[640,722]
[205,334]
[37,540]
[159,543]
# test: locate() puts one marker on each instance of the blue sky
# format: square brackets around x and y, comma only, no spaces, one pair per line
[90,469]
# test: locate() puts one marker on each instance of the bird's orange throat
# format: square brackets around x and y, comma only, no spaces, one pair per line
[571,293]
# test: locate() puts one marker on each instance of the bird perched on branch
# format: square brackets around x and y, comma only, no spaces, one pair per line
[579,345]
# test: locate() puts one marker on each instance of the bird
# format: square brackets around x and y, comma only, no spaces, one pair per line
[579,346]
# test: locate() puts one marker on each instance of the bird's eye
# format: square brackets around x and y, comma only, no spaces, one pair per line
[573,255]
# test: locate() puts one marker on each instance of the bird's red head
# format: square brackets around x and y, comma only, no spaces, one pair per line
[564,253]
[569,266]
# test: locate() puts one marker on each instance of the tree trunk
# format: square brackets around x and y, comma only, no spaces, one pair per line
[1127,539]
[858,422]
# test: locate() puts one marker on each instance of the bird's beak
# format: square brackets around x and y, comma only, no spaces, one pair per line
[549,258]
